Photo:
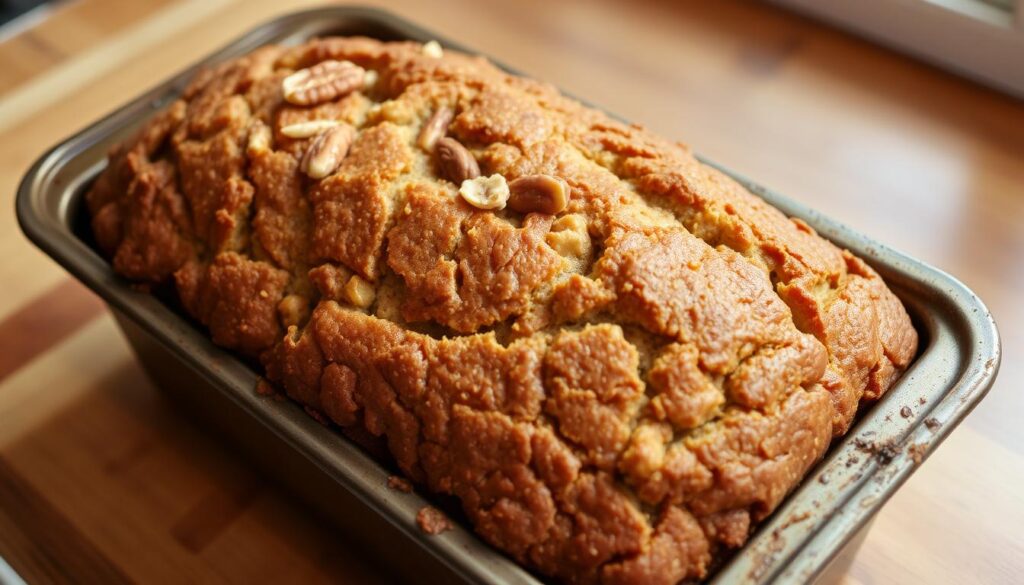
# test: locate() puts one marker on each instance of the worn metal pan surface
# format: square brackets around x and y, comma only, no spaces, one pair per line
[810,537]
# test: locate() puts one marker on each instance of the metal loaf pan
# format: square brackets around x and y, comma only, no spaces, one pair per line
[811,537]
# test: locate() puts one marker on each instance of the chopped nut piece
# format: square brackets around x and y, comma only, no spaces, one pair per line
[370,79]
[259,139]
[485,192]
[323,82]
[538,194]
[327,151]
[569,237]
[435,128]
[293,310]
[433,49]
[457,164]
[307,129]
[359,292]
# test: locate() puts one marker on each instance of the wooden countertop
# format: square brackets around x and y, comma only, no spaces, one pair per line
[101,481]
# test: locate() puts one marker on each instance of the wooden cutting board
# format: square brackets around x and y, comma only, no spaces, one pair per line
[102,481]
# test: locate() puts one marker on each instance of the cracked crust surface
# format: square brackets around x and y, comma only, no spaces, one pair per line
[616,394]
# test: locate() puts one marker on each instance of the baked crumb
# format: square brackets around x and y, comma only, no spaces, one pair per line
[883,453]
[917,451]
[432,521]
[398,483]
[265,388]
[317,416]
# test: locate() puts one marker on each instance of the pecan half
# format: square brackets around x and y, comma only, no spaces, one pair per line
[327,151]
[323,82]
[435,128]
[485,192]
[538,194]
[308,128]
[457,164]
[259,139]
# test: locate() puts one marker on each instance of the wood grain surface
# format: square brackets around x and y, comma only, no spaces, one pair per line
[101,481]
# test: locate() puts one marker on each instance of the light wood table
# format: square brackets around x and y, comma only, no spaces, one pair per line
[100,481]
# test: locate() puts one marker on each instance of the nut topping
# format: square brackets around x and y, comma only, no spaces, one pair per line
[359,292]
[370,79]
[308,128]
[323,82]
[327,151]
[435,128]
[433,49]
[485,192]
[259,139]
[293,310]
[457,164]
[538,194]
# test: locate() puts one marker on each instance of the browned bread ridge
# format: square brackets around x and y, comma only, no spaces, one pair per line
[616,393]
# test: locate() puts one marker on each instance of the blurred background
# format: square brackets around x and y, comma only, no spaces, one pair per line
[980,39]
[902,118]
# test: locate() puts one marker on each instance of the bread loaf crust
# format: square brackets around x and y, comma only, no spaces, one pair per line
[616,393]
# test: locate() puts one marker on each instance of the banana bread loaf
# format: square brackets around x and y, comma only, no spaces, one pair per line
[615,357]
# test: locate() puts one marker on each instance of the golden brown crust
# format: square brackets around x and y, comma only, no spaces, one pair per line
[616,393]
